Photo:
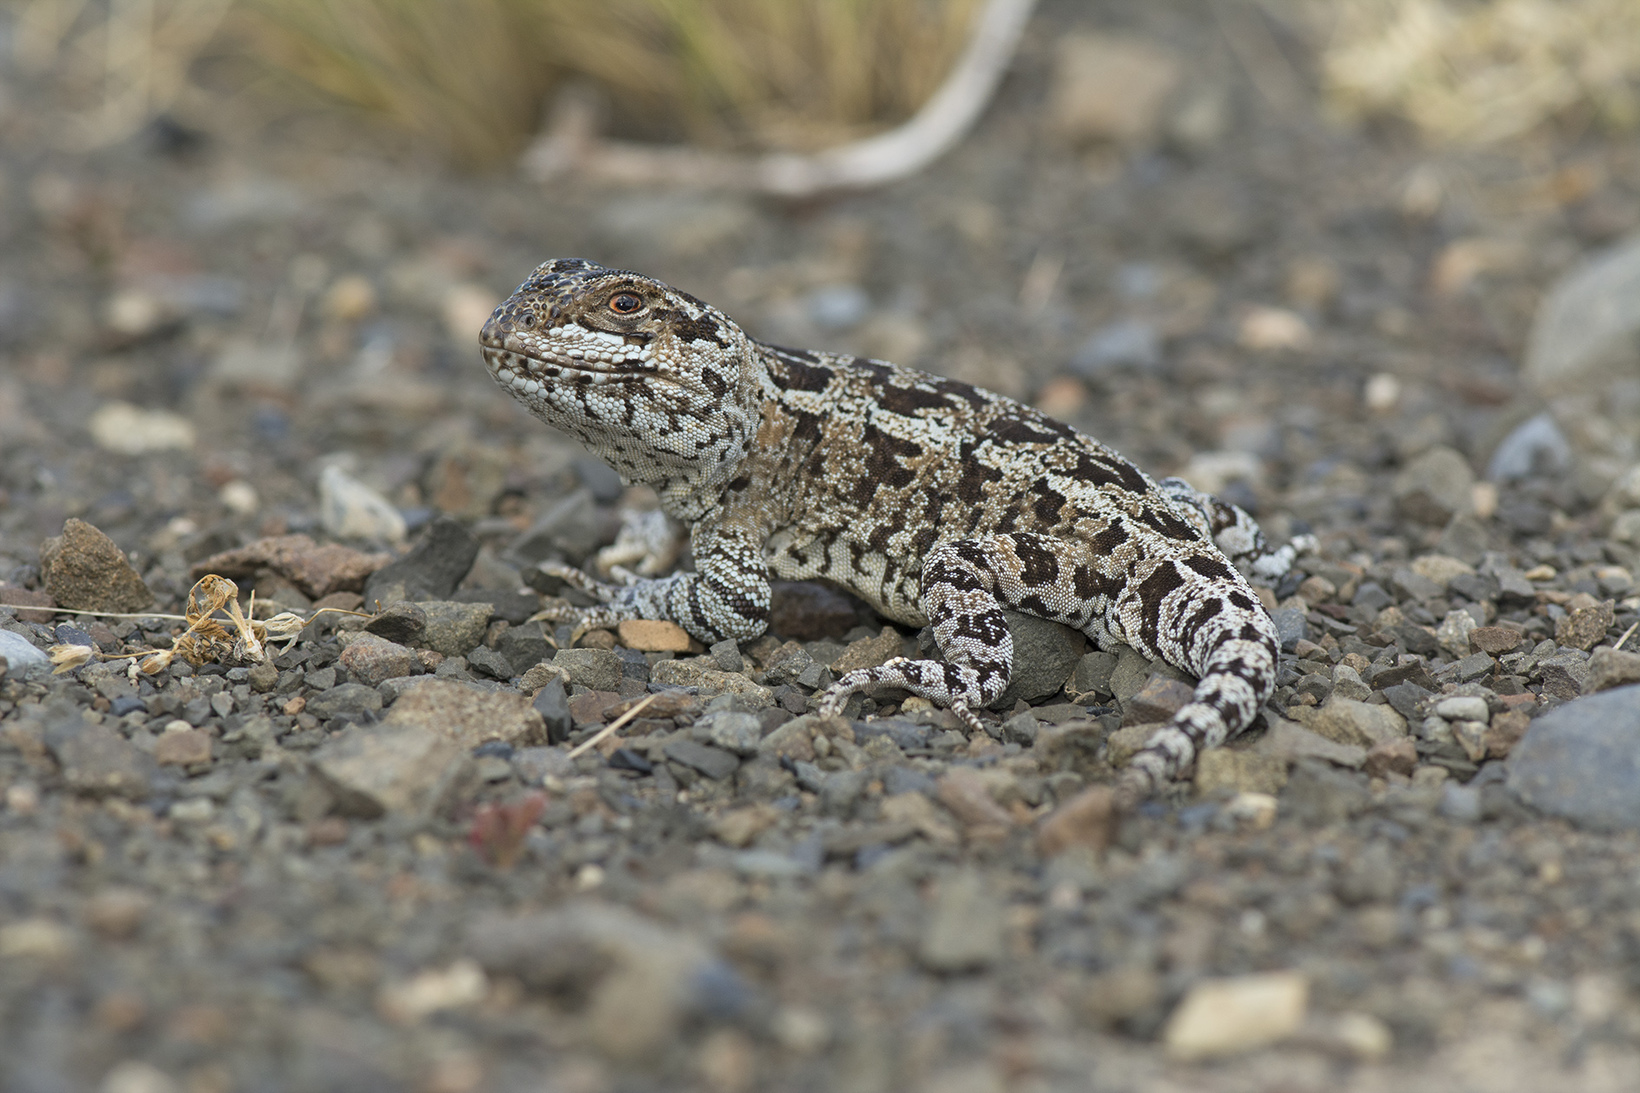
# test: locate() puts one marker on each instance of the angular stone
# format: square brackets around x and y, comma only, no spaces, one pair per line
[1392,756]
[467,716]
[403,623]
[373,659]
[316,570]
[1223,772]
[594,669]
[183,749]
[84,570]
[965,929]
[1494,640]
[1349,722]
[99,763]
[709,681]
[1157,700]
[869,652]
[653,636]
[24,599]
[431,569]
[23,657]
[1087,820]
[1610,668]
[407,770]
[1434,486]
[1044,654]
[1291,742]
[454,628]
[1585,627]
[715,763]
[1581,761]
[593,707]
[342,700]
[552,703]
[1092,673]
[1220,1017]
[1506,731]
[739,733]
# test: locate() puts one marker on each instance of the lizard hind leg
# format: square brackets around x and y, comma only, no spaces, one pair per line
[959,582]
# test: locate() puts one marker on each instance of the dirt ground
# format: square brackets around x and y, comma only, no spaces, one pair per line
[237,878]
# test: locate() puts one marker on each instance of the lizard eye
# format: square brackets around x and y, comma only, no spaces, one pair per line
[625,303]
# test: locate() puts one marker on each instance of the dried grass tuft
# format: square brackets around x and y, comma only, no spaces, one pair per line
[1482,72]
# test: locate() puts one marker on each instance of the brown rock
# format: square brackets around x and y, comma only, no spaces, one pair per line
[23,599]
[593,707]
[1222,772]
[1586,626]
[1397,756]
[1350,722]
[1088,820]
[1110,88]
[1507,729]
[653,636]
[963,791]
[1158,700]
[1494,640]
[468,716]
[404,769]
[1610,668]
[316,570]
[84,570]
[869,652]
[374,659]
[117,912]
[183,749]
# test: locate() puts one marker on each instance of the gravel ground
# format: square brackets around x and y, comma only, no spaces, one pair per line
[399,851]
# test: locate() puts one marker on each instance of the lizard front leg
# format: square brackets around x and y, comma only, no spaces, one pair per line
[726,597]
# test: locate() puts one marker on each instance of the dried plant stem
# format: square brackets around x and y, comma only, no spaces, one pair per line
[610,729]
[572,145]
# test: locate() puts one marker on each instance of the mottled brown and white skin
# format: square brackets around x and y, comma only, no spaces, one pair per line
[938,503]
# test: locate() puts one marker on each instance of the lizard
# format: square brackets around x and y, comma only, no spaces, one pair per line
[937,502]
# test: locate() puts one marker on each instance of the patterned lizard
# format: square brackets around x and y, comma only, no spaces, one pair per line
[937,502]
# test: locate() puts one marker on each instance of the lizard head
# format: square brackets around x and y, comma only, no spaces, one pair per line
[662,386]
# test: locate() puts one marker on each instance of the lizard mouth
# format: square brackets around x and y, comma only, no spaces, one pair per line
[520,370]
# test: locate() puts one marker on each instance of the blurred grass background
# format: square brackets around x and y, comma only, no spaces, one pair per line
[472,79]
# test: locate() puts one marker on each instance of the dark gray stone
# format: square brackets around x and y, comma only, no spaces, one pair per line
[594,669]
[97,762]
[430,570]
[454,628]
[1582,761]
[1291,627]
[1044,654]
[344,699]
[715,763]
[552,703]
[489,662]
[402,622]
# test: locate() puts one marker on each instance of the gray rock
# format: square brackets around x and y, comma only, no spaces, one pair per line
[710,681]
[740,733]
[402,622]
[838,307]
[452,628]
[715,763]
[1465,538]
[525,646]
[726,655]
[1462,708]
[1044,654]
[1133,670]
[1434,486]
[1291,627]
[599,477]
[1126,343]
[401,770]
[538,763]
[489,662]
[467,715]
[1581,761]
[569,527]
[594,669]
[344,700]
[965,929]
[1610,668]
[430,570]
[552,703]
[98,763]
[1585,332]
[349,509]
[1535,447]
[22,658]
[1092,673]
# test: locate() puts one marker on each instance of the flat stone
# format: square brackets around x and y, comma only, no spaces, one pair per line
[316,570]
[406,770]
[964,930]
[1221,1017]
[453,628]
[183,749]
[1494,640]
[344,699]
[593,707]
[96,762]
[1223,772]
[430,570]
[1347,721]
[1092,673]
[1462,708]
[24,599]
[23,658]
[1291,742]
[709,681]
[84,570]
[740,733]
[715,763]
[653,636]
[594,669]
[1581,761]
[1610,668]
[468,716]
[1088,820]
[1392,756]
[373,659]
